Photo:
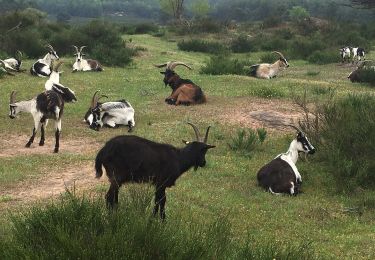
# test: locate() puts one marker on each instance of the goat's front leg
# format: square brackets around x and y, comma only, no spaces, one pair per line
[57,135]
[160,200]
[35,130]
[112,195]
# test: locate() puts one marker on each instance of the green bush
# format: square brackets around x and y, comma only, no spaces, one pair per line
[323,57]
[201,46]
[82,228]
[302,47]
[206,25]
[247,140]
[223,65]
[349,140]
[268,57]
[242,44]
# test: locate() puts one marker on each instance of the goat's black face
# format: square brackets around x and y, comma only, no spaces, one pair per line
[285,62]
[306,145]
[96,123]
[199,150]
[168,74]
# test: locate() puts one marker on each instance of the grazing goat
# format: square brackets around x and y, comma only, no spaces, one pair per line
[281,174]
[112,113]
[13,64]
[358,54]
[47,105]
[43,67]
[268,71]
[345,54]
[184,91]
[135,159]
[82,64]
[355,76]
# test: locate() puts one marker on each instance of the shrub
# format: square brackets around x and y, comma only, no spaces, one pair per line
[142,28]
[349,141]
[242,44]
[323,57]
[82,228]
[201,46]
[247,140]
[274,44]
[223,65]
[301,48]
[206,25]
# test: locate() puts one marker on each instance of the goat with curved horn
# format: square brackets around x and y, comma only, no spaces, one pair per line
[43,67]
[267,70]
[171,65]
[82,64]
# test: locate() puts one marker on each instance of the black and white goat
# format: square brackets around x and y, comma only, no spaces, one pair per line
[345,54]
[13,64]
[281,174]
[47,105]
[136,159]
[82,64]
[267,70]
[43,67]
[112,114]
[358,54]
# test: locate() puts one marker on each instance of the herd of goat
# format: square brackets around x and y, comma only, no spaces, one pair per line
[130,158]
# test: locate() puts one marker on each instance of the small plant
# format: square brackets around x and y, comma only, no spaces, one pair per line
[223,65]
[247,140]
[266,92]
[312,73]
[323,57]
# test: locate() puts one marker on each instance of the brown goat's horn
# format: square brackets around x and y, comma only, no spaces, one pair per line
[280,54]
[206,136]
[173,65]
[82,47]
[160,65]
[196,131]
[94,100]
[75,47]
[12,97]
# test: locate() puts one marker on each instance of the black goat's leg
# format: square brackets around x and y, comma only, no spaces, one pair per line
[35,130]
[57,135]
[160,200]
[112,195]
[42,130]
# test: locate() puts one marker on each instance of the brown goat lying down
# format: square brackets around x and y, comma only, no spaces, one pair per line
[184,91]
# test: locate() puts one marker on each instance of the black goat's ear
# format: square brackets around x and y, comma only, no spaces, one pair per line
[185,142]
[162,72]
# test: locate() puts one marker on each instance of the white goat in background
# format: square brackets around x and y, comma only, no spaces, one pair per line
[82,64]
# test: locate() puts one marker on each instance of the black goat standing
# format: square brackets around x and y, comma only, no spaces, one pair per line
[135,159]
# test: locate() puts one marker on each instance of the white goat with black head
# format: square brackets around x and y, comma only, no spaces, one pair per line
[112,114]
[82,64]
[267,70]
[47,105]
[281,174]
[345,54]
[43,67]
[13,64]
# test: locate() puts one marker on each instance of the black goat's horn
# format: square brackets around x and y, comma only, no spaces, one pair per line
[206,136]
[196,131]
[299,130]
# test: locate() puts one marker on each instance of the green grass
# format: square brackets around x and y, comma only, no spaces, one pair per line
[227,185]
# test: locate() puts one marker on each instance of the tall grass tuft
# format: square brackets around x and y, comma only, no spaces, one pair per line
[247,140]
[82,228]
[223,65]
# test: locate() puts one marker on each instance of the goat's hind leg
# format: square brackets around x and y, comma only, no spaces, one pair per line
[57,135]
[160,200]
[112,195]
[44,122]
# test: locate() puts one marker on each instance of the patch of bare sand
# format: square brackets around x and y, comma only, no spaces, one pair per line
[80,177]
[15,145]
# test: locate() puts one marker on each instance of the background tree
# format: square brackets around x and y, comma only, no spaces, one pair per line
[298,14]
[364,3]
[200,8]
[173,7]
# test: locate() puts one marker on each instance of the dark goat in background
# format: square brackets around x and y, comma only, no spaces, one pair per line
[136,159]
[184,91]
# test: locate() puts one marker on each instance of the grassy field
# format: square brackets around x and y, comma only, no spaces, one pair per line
[227,185]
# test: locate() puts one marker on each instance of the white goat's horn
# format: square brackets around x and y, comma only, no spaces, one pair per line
[49,46]
[75,47]
[299,130]
[82,47]
[173,65]
[12,97]
[280,54]
[94,100]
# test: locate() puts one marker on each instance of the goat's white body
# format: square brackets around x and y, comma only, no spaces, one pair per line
[47,62]
[82,65]
[268,71]
[116,115]
[11,62]
[291,157]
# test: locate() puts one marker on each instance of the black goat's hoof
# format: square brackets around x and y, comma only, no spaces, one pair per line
[41,143]
[56,150]
[28,145]
[170,101]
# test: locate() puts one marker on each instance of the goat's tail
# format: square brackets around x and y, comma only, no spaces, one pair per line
[99,163]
